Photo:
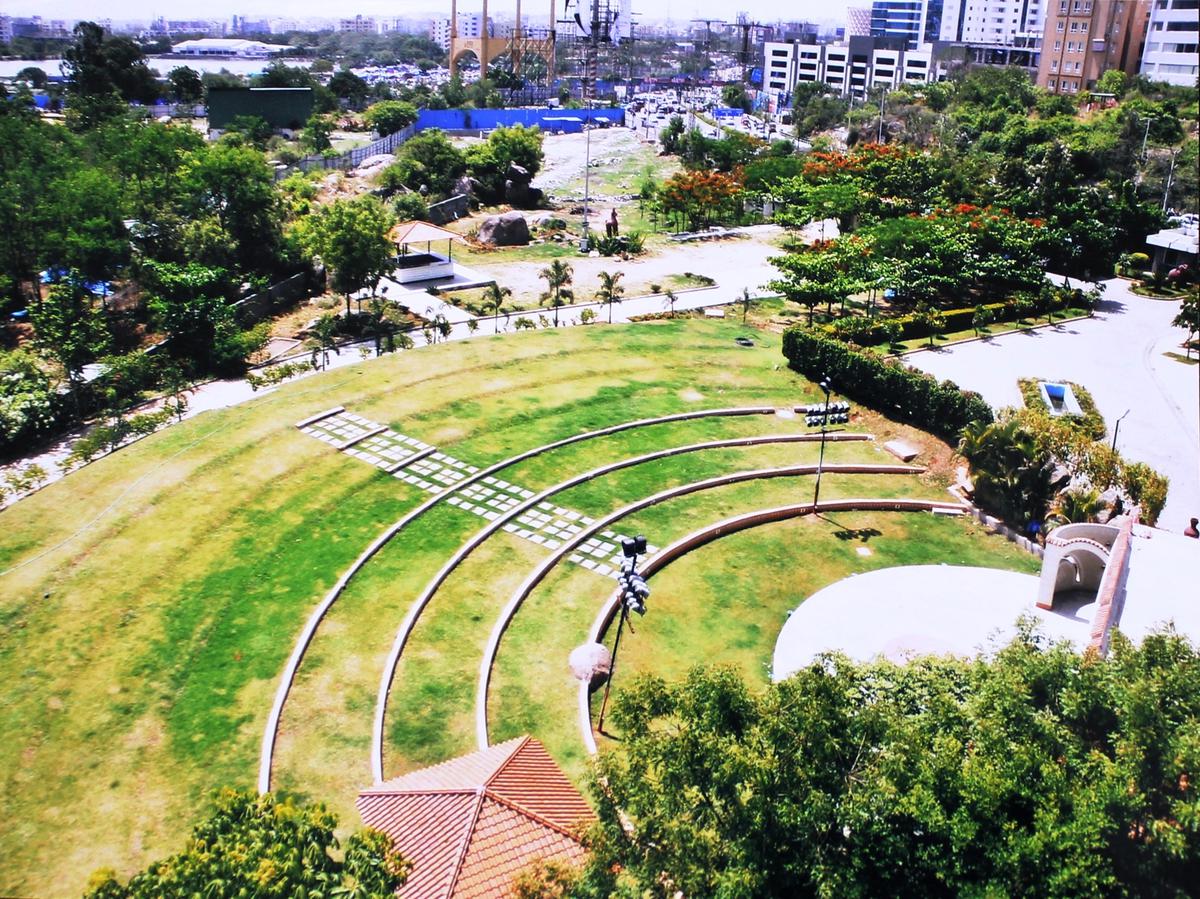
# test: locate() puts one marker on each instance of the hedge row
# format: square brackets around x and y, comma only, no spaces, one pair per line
[869,332]
[889,387]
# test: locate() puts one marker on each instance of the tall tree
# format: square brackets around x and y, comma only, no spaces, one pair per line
[234,185]
[262,846]
[1038,772]
[186,85]
[69,329]
[104,72]
[351,237]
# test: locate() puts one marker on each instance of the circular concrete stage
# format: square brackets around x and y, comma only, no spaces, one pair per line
[917,610]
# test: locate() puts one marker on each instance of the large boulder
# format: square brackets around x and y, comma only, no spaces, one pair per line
[506,230]
[517,191]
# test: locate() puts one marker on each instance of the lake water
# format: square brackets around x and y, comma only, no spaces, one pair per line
[164,64]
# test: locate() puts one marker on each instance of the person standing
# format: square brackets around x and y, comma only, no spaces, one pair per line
[614,228]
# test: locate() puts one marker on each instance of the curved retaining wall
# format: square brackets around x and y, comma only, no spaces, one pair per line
[422,600]
[270,734]
[539,573]
[724,528]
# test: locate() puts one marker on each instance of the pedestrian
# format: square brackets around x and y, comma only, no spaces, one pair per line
[614,228]
[1191,530]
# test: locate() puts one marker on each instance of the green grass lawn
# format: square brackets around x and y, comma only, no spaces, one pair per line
[148,602]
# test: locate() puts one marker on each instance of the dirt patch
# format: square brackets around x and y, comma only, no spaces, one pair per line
[691,395]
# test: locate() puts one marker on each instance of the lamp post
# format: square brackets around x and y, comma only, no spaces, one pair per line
[634,593]
[584,244]
[824,430]
[1117,429]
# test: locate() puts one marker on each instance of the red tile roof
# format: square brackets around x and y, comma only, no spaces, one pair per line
[471,824]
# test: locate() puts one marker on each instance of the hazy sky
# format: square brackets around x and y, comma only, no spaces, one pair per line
[677,10]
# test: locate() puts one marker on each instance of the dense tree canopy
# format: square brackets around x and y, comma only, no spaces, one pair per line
[1041,772]
[265,847]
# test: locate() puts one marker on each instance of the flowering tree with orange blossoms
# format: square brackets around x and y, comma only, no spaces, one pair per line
[701,197]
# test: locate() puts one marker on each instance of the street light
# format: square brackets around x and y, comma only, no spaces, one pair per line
[824,429]
[634,593]
[584,244]
[1117,429]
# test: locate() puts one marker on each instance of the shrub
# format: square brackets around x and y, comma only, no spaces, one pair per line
[899,392]
[410,207]
[524,323]
[1146,487]
[268,377]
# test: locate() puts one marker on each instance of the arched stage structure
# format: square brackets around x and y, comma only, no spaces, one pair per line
[519,44]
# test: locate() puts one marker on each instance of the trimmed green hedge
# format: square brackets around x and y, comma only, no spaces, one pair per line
[869,332]
[889,387]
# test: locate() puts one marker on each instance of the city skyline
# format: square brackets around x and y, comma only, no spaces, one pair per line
[679,11]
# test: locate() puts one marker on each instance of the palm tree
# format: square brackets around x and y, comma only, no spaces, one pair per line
[610,291]
[382,328]
[1077,506]
[494,297]
[558,279]
[669,300]
[322,339]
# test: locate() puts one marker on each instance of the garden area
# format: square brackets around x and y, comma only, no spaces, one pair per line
[157,592]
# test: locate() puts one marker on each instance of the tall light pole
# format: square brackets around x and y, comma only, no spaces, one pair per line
[1117,429]
[824,430]
[587,174]
[1170,175]
[634,593]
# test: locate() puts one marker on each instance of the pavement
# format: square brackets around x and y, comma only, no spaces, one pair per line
[1119,356]
[896,613]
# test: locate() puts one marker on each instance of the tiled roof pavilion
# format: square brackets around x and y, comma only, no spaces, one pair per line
[469,825]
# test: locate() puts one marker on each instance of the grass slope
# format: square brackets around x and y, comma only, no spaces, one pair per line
[148,602]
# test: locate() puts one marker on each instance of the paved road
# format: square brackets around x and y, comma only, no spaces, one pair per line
[1119,356]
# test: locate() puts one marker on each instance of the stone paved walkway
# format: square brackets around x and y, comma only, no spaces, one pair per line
[421,465]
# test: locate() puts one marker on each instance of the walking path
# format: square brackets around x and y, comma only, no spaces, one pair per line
[1118,355]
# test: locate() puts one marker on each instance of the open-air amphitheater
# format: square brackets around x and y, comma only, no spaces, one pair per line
[387,565]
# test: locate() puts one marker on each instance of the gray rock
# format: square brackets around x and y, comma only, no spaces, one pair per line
[507,230]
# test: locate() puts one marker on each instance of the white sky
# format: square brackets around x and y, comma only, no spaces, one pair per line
[767,11]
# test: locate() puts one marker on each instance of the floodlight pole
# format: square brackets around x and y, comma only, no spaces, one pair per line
[612,665]
[629,547]
[824,430]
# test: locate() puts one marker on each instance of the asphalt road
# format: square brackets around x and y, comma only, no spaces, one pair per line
[1119,355]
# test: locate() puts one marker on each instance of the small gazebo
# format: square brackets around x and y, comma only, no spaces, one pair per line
[414,264]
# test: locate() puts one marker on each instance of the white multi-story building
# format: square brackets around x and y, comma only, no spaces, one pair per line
[993,22]
[6,32]
[850,69]
[470,24]
[358,25]
[1172,51]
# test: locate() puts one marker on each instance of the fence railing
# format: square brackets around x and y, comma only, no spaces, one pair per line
[350,158]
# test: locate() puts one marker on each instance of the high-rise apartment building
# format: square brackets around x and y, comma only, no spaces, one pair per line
[993,22]
[1084,38]
[916,21]
[358,25]
[1172,51]
[851,69]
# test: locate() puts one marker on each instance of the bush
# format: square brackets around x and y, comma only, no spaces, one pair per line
[269,377]
[912,327]
[410,207]
[1146,487]
[899,392]
[29,406]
